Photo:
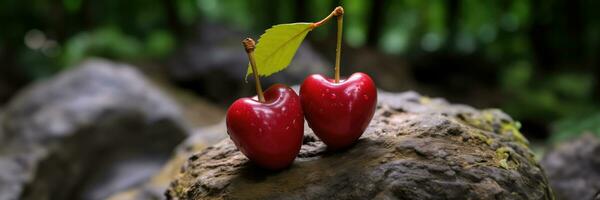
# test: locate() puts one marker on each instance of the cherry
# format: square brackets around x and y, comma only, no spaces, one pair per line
[339,112]
[269,133]
[267,128]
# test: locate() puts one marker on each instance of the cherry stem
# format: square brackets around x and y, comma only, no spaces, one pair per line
[249,45]
[339,13]
[338,48]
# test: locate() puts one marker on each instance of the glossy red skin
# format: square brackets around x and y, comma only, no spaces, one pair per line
[270,133]
[338,113]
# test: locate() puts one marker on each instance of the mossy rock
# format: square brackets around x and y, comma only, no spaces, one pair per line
[415,148]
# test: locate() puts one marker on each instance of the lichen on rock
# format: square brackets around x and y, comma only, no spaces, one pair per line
[415,148]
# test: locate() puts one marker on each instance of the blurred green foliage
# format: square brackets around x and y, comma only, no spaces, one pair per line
[544,53]
[571,126]
[48,36]
[105,41]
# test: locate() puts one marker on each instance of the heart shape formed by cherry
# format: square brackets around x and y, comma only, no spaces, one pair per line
[338,113]
[269,133]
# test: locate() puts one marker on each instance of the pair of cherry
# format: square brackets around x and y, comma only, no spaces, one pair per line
[270,132]
[269,127]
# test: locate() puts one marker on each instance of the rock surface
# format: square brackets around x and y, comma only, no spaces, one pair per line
[89,132]
[156,186]
[573,168]
[415,148]
[214,63]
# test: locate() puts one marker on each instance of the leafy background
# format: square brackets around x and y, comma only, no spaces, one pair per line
[537,60]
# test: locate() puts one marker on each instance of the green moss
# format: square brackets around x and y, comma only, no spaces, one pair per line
[482,122]
[487,120]
[502,156]
[424,100]
[474,122]
[488,116]
[513,128]
[479,135]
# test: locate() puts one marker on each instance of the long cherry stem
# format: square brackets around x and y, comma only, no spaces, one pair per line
[338,48]
[339,13]
[249,45]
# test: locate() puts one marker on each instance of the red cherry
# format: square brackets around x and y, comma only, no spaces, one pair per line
[338,113]
[269,133]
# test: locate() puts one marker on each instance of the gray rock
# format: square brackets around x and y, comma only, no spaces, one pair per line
[155,187]
[89,132]
[415,148]
[573,168]
[214,63]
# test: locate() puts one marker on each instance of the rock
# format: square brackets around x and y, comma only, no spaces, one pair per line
[89,132]
[155,187]
[214,63]
[415,148]
[198,112]
[573,168]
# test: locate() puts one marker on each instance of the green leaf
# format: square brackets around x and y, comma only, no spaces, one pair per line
[277,46]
